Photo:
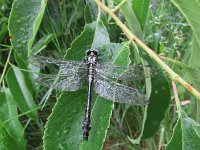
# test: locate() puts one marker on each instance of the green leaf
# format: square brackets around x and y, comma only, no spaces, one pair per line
[24,24]
[190,10]
[22,95]
[158,104]
[4,28]
[71,105]
[9,143]
[10,122]
[193,75]
[64,126]
[129,15]
[87,14]
[27,77]
[185,136]
[141,8]
[93,8]
[87,40]
[42,43]
[2,2]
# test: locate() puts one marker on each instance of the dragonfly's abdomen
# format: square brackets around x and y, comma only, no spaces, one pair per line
[91,66]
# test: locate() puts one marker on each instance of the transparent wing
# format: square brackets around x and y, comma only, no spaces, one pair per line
[132,72]
[69,77]
[40,62]
[118,92]
[61,82]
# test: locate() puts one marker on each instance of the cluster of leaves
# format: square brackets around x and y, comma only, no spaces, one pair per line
[65,30]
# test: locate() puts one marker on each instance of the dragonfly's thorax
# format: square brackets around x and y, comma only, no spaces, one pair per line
[92,59]
[91,62]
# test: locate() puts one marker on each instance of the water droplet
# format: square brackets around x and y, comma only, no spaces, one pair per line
[60,146]
[3,8]
[23,42]
[26,37]
[18,21]
[101,118]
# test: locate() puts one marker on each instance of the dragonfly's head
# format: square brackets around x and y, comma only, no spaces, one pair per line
[92,52]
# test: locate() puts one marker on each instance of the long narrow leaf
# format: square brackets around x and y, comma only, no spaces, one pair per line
[185,136]
[24,24]
[22,95]
[190,10]
[140,8]
[11,127]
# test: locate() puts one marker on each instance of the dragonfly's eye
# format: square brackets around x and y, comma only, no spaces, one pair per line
[88,52]
[96,52]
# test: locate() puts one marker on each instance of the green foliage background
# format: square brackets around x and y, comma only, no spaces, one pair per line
[34,117]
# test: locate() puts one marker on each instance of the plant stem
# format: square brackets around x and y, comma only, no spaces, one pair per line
[174,76]
[118,6]
[178,105]
[5,67]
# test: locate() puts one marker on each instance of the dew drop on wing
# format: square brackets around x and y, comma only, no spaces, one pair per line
[128,72]
[41,62]
[117,92]
[70,76]
[63,83]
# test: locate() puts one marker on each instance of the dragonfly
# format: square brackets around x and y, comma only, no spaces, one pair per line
[102,77]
